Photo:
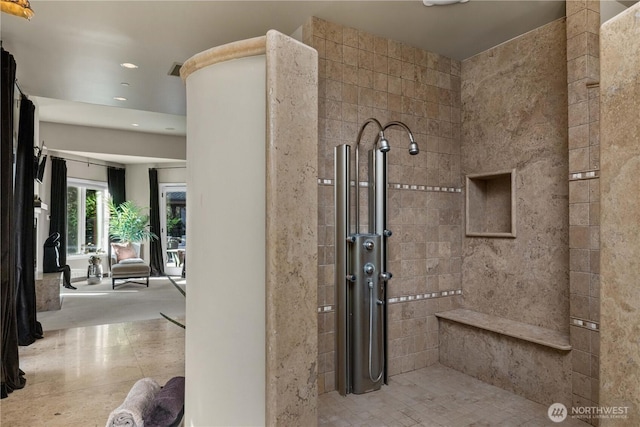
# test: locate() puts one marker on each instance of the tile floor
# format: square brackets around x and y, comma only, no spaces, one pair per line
[435,396]
[91,305]
[75,377]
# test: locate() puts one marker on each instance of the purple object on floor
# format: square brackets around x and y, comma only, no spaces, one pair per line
[167,406]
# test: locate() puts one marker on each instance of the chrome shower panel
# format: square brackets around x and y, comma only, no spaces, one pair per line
[366,313]
[361,275]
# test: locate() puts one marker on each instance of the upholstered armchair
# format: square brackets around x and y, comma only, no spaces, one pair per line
[127,264]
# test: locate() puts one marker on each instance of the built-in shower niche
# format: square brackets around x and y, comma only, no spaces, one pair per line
[491,204]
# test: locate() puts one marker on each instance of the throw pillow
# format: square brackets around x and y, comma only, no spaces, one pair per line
[123,251]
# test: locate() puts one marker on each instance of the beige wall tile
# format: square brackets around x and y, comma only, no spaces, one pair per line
[576,23]
[579,160]
[577,45]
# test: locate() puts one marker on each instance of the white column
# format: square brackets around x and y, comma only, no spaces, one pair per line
[225,335]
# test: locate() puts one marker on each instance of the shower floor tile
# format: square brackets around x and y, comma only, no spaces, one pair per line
[435,396]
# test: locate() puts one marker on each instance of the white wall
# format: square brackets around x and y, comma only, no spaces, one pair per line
[609,9]
[112,141]
[225,341]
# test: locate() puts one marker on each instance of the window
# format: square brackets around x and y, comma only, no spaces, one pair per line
[87,217]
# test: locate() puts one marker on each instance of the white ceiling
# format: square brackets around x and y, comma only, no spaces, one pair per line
[68,55]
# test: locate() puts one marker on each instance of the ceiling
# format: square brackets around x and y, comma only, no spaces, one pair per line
[69,54]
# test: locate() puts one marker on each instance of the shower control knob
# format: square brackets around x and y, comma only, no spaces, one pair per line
[386,275]
[387,233]
[369,245]
[369,268]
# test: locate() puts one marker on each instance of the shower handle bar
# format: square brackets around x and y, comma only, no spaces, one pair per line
[342,257]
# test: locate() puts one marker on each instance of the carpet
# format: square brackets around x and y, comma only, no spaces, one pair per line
[98,304]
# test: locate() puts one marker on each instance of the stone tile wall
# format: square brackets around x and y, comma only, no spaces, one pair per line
[364,76]
[583,74]
[620,99]
[515,117]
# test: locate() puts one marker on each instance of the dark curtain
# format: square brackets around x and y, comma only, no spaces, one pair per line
[157,262]
[29,329]
[116,184]
[58,205]
[10,373]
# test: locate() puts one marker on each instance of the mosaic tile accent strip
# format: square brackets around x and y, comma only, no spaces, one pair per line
[404,298]
[398,186]
[429,295]
[587,324]
[425,188]
[584,175]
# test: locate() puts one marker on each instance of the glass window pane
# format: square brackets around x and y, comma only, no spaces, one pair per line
[73,211]
[87,217]
[176,214]
[91,227]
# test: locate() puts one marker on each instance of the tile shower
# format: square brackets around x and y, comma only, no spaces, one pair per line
[361,76]
[510,107]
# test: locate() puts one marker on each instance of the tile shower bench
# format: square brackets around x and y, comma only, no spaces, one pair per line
[528,360]
[511,328]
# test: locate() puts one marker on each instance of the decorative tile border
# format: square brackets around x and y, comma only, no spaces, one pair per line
[425,188]
[429,295]
[404,298]
[397,186]
[584,175]
[587,324]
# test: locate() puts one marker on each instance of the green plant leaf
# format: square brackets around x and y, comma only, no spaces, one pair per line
[127,223]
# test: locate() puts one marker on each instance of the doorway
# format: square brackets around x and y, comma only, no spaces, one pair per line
[173,224]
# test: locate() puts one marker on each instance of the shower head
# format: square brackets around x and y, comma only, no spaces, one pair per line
[413,147]
[384,144]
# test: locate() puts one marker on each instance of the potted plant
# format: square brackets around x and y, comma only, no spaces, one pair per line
[128,227]
[127,223]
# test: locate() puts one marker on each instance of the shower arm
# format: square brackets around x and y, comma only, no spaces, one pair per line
[413,147]
[357,161]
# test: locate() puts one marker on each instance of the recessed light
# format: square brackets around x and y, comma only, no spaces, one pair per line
[170,128]
[125,84]
[135,125]
[119,98]
[128,65]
